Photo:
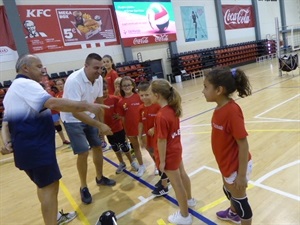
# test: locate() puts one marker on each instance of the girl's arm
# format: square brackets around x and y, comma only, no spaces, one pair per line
[162,149]
[241,180]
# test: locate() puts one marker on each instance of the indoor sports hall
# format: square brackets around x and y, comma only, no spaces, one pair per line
[266,50]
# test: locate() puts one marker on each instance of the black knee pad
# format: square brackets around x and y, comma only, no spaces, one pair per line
[124,147]
[242,207]
[58,128]
[115,147]
[227,193]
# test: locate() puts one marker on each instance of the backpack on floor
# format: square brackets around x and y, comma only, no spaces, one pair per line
[107,218]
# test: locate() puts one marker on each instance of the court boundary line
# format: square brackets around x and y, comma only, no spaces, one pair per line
[168,197]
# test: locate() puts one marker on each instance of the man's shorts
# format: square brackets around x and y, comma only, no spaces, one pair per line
[82,137]
[44,175]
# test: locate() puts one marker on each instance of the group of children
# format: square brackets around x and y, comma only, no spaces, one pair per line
[149,116]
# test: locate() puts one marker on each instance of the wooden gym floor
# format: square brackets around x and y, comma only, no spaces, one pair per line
[272,116]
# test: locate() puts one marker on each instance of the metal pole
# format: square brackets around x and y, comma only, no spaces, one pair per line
[278,42]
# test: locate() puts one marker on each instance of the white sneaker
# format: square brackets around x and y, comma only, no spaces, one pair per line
[156,172]
[135,166]
[177,219]
[63,218]
[141,171]
[121,167]
[191,202]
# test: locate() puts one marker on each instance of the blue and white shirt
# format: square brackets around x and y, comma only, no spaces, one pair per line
[30,124]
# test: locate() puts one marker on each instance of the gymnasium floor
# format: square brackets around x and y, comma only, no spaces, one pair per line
[272,116]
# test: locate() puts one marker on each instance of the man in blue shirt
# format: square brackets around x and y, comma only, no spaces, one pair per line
[28,129]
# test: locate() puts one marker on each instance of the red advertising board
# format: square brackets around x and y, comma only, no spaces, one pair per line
[238,16]
[54,28]
[7,45]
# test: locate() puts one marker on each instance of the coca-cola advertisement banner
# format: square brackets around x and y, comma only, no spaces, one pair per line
[145,22]
[238,16]
[8,51]
[50,28]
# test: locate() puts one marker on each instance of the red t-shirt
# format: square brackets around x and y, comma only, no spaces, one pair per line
[227,126]
[110,79]
[167,126]
[57,95]
[129,109]
[147,117]
[114,124]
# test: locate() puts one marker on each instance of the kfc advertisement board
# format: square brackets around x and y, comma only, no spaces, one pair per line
[8,50]
[53,28]
[145,22]
[238,16]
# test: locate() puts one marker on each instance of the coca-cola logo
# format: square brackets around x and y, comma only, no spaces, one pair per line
[241,17]
[140,41]
[161,38]
[3,50]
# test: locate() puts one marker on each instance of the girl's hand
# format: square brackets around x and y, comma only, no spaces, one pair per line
[151,131]
[240,183]
[7,149]
[162,167]
[116,116]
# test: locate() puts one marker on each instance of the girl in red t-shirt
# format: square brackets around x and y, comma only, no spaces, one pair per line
[111,73]
[59,85]
[118,138]
[229,140]
[128,109]
[168,151]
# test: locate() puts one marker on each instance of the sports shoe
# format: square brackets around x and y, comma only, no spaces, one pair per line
[191,202]
[121,167]
[160,191]
[177,218]
[141,170]
[85,195]
[156,172]
[229,216]
[103,144]
[63,218]
[159,183]
[135,166]
[105,181]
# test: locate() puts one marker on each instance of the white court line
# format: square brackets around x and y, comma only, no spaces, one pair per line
[274,107]
[271,173]
[145,200]
[258,184]
[247,122]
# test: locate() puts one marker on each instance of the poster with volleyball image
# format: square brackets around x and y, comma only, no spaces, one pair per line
[145,22]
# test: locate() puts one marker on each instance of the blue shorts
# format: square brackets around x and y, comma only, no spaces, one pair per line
[55,117]
[82,137]
[44,175]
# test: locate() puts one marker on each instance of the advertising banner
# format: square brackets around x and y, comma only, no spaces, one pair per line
[238,16]
[54,28]
[144,22]
[8,50]
[194,23]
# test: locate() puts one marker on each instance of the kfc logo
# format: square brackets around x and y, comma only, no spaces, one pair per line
[38,12]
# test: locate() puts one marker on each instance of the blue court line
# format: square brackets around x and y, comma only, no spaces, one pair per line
[171,199]
[191,117]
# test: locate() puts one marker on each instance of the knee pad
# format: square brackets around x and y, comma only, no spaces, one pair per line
[58,128]
[227,193]
[124,147]
[242,207]
[115,147]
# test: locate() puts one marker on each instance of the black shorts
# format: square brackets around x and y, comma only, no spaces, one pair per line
[117,138]
[44,175]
